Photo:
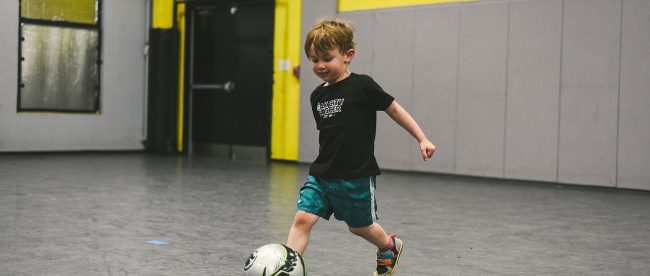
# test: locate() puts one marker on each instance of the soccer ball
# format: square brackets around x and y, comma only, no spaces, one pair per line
[274,259]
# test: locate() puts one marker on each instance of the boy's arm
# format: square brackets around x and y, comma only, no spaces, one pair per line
[404,119]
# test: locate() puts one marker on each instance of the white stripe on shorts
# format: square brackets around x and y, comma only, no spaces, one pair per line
[373,209]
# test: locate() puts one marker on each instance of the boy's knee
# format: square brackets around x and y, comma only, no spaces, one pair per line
[303,221]
[300,222]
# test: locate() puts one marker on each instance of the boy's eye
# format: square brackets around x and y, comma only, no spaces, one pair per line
[327,58]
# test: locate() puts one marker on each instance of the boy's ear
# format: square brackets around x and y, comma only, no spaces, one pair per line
[349,55]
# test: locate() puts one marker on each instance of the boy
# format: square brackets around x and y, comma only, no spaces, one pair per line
[341,180]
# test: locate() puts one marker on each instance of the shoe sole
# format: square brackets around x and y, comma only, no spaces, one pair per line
[399,253]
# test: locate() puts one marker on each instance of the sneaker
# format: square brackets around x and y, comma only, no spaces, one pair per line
[387,260]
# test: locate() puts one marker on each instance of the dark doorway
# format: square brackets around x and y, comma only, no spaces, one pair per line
[230,78]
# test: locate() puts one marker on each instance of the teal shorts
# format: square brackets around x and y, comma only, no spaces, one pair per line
[350,200]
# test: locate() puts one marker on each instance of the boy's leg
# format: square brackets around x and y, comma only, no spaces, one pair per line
[300,230]
[389,248]
[374,234]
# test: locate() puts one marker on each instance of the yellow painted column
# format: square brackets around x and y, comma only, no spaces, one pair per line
[286,87]
[163,18]
[161,129]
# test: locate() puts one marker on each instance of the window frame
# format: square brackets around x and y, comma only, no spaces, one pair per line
[59,24]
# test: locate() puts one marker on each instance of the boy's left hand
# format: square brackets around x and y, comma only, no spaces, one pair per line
[427,149]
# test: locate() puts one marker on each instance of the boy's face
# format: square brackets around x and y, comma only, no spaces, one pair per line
[330,66]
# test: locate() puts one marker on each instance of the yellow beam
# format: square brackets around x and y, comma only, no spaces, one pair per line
[357,5]
[286,87]
[162,14]
[180,13]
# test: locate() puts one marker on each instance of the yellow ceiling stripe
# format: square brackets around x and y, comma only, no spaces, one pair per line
[357,5]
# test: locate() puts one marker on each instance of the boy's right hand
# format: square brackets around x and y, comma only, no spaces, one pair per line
[427,149]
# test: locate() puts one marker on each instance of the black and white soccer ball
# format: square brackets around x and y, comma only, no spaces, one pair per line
[275,259]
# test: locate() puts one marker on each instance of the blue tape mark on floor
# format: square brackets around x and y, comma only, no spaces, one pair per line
[158,242]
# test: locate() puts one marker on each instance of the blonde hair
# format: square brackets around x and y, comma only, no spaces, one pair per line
[328,34]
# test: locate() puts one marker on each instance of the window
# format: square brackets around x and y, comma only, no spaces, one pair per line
[59,56]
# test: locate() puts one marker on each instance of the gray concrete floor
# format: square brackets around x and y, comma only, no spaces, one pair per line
[93,214]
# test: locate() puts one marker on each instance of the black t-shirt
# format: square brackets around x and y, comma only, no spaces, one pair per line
[346,116]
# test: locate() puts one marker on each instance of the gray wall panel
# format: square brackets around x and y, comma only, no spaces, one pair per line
[393,70]
[364,38]
[589,95]
[481,94]
[634,122]
[534,50]
[8,65]
[312,10]
[435,83]
[123,67]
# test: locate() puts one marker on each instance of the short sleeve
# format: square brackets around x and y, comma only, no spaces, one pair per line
[376,97]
